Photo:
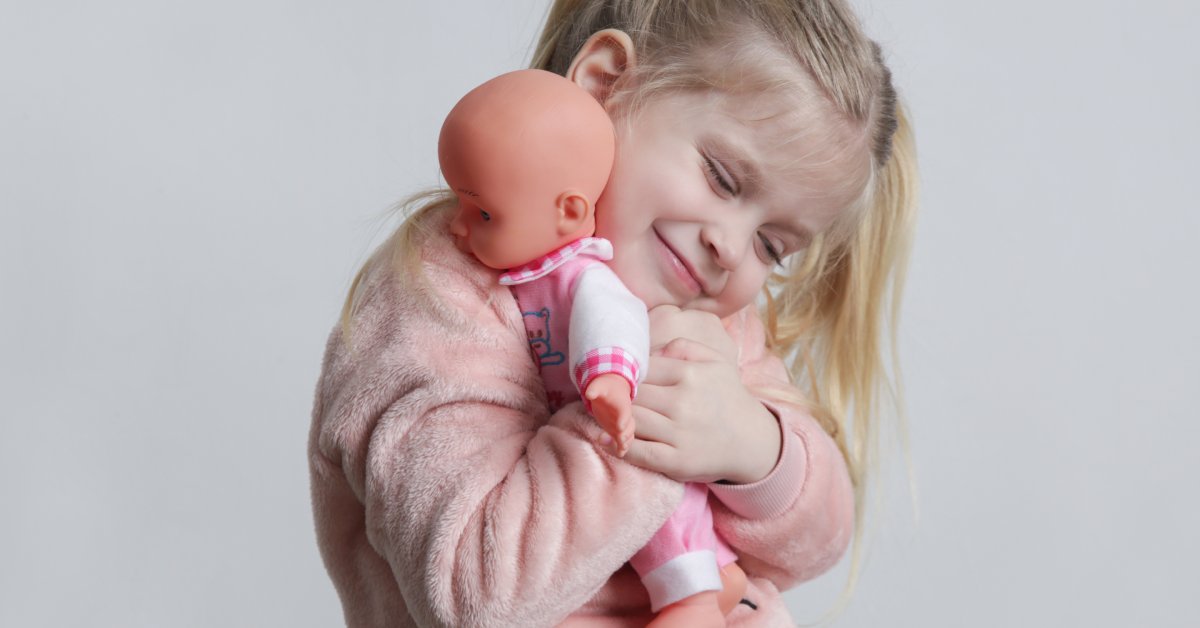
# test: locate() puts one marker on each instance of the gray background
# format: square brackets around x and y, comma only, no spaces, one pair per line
[186,190]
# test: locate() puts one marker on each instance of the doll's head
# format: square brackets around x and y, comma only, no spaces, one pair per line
[527,153]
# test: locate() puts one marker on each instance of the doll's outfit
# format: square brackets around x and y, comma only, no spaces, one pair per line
[570,295]
[445,494]
[570,300]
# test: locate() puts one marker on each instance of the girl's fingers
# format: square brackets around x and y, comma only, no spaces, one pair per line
[651,455]
[668,322]
[688,349]
[652,426]
[662,372]
[669,362]
[655,398]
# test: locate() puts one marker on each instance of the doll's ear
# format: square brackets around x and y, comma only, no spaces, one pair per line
[574,214]
[604,57]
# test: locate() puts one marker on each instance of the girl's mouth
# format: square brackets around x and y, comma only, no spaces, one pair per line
[678,267]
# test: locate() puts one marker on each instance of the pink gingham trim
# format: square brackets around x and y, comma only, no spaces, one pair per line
[607,360]
[544,265]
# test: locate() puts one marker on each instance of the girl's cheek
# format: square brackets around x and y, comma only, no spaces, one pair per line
[637,276]
[639,280]
[613,225]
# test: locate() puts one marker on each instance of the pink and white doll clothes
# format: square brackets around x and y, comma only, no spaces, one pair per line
[570,293]
[684,555]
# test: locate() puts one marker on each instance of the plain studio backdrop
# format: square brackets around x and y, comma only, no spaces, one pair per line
[186,190]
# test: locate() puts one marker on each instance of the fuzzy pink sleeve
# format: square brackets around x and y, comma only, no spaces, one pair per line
[442,490]
[797,522]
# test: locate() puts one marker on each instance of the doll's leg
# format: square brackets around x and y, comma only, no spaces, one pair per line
[681,559]
[698,610]
[701,610]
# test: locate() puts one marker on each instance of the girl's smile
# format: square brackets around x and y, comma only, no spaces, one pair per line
[690,285]
[710,191]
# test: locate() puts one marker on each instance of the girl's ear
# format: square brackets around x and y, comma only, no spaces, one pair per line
[574,215]
[603,58]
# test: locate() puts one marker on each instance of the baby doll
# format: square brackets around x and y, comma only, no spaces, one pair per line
[527,154]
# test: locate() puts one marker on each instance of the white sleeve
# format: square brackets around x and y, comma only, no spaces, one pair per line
[605,314]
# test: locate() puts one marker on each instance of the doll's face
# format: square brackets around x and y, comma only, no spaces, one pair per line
[526,153]
[502,227]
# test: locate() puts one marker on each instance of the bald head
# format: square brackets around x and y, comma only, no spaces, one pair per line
[530,133]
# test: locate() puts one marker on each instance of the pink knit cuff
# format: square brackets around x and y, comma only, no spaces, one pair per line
[606,360]
[774,494]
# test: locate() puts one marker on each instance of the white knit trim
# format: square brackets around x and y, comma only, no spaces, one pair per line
[681,577]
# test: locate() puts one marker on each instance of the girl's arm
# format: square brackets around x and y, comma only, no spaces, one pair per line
[794,524]
[437,478]
[712,408]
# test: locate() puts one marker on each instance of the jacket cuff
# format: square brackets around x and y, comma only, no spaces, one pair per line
[772,495]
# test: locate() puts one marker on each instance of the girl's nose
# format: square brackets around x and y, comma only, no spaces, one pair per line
[727,247]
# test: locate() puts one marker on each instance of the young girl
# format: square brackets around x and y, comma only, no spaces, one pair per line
[759,145]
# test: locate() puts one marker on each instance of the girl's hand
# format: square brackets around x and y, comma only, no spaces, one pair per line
[668,322]
[695,420]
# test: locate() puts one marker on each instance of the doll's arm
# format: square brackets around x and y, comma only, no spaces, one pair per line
[609,341]
[794,524]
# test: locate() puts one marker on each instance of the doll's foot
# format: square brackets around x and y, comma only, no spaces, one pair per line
[733,587]
[699,611]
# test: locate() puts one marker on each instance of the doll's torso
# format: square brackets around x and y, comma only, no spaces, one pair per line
[561,336]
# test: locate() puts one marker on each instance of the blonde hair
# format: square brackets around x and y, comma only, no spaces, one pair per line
[827,314]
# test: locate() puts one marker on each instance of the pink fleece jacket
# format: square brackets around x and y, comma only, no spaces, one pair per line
[445,495]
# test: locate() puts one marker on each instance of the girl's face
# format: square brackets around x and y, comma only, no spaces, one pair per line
[708,193]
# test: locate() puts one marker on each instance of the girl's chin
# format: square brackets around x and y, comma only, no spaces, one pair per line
[641,274]
[651,292]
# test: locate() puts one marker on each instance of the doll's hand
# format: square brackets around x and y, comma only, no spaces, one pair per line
[609,396]
[696,422]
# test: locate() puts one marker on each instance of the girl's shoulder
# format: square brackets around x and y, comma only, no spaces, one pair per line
[418,292]
[421,271]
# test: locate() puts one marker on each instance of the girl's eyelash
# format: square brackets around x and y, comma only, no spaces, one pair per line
[775,255]
[712,168]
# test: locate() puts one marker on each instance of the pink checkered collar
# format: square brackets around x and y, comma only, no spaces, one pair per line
[544,265]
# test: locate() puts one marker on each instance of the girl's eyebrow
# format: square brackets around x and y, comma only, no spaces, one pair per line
[802,234]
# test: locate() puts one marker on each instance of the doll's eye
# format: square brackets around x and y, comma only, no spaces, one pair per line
[486,216]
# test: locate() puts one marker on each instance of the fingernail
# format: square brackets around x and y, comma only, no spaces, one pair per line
[605,439]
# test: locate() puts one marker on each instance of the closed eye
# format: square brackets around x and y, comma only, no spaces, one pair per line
[719,175]
[774,253]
